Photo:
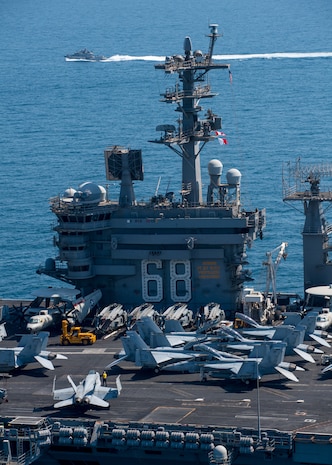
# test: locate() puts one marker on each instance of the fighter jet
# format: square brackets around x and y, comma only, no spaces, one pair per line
[88,393]
[31,348]
[155,337]
[158,358]
[264,359]
[292,336]
[257,330]
[308,320]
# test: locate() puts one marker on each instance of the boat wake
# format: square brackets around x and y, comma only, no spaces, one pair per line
[248,56]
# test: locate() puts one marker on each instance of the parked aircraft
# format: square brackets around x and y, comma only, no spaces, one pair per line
[264,359]
[53,304]
[292,336]
[188,358]
[137,351]
[87,393]
[155,337]
[43,320]
[308,322]
[179,312]
[144,310]
[174,328]
[110,318]
[318,299]
[31,348]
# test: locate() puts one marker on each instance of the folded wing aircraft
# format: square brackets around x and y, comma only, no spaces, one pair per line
[265,359]
[293,337]
[137,351]
[155,337]
[308,322]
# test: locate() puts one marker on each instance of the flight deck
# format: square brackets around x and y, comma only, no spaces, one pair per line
[175,398]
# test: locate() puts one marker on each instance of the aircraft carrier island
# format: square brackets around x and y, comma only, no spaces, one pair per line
[163,252]
[167,250]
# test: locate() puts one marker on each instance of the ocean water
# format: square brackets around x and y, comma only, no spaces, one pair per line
[56,117]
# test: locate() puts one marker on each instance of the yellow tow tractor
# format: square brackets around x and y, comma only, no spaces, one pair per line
[74,335]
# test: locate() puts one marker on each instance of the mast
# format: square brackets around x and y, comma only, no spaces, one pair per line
[192,133]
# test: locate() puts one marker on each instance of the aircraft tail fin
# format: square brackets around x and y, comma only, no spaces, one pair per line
[232,332]
[44,362]
[320,340]
[116,362]
[173,326]
[149,331]
[44,335]
[247,319]
[32,345]
[118,384]
[131,342]
[98,402]
[307,357]
[271,352]
[159,340]
[288,374]
[64,403]
[53,387]
[73,385]
[327,369]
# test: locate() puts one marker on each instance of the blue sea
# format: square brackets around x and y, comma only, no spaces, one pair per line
[56,117]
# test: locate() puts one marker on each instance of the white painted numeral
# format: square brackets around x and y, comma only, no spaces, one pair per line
[180,273]
[152,284]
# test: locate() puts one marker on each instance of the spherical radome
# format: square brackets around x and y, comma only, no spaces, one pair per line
[233,176]
[215,167]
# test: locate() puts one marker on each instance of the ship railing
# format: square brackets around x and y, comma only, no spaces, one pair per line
[175,94]
[173,64]
[289,191]
[58,204]
[22,458]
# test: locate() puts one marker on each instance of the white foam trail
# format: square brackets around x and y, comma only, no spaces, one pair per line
[269,56]
[135,58]
[248,56]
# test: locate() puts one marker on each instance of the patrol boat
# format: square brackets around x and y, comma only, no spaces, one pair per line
[165,250]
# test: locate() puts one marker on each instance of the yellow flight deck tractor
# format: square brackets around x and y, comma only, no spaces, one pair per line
[75,335]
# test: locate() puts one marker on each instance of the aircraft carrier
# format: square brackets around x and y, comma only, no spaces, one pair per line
[165,251]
